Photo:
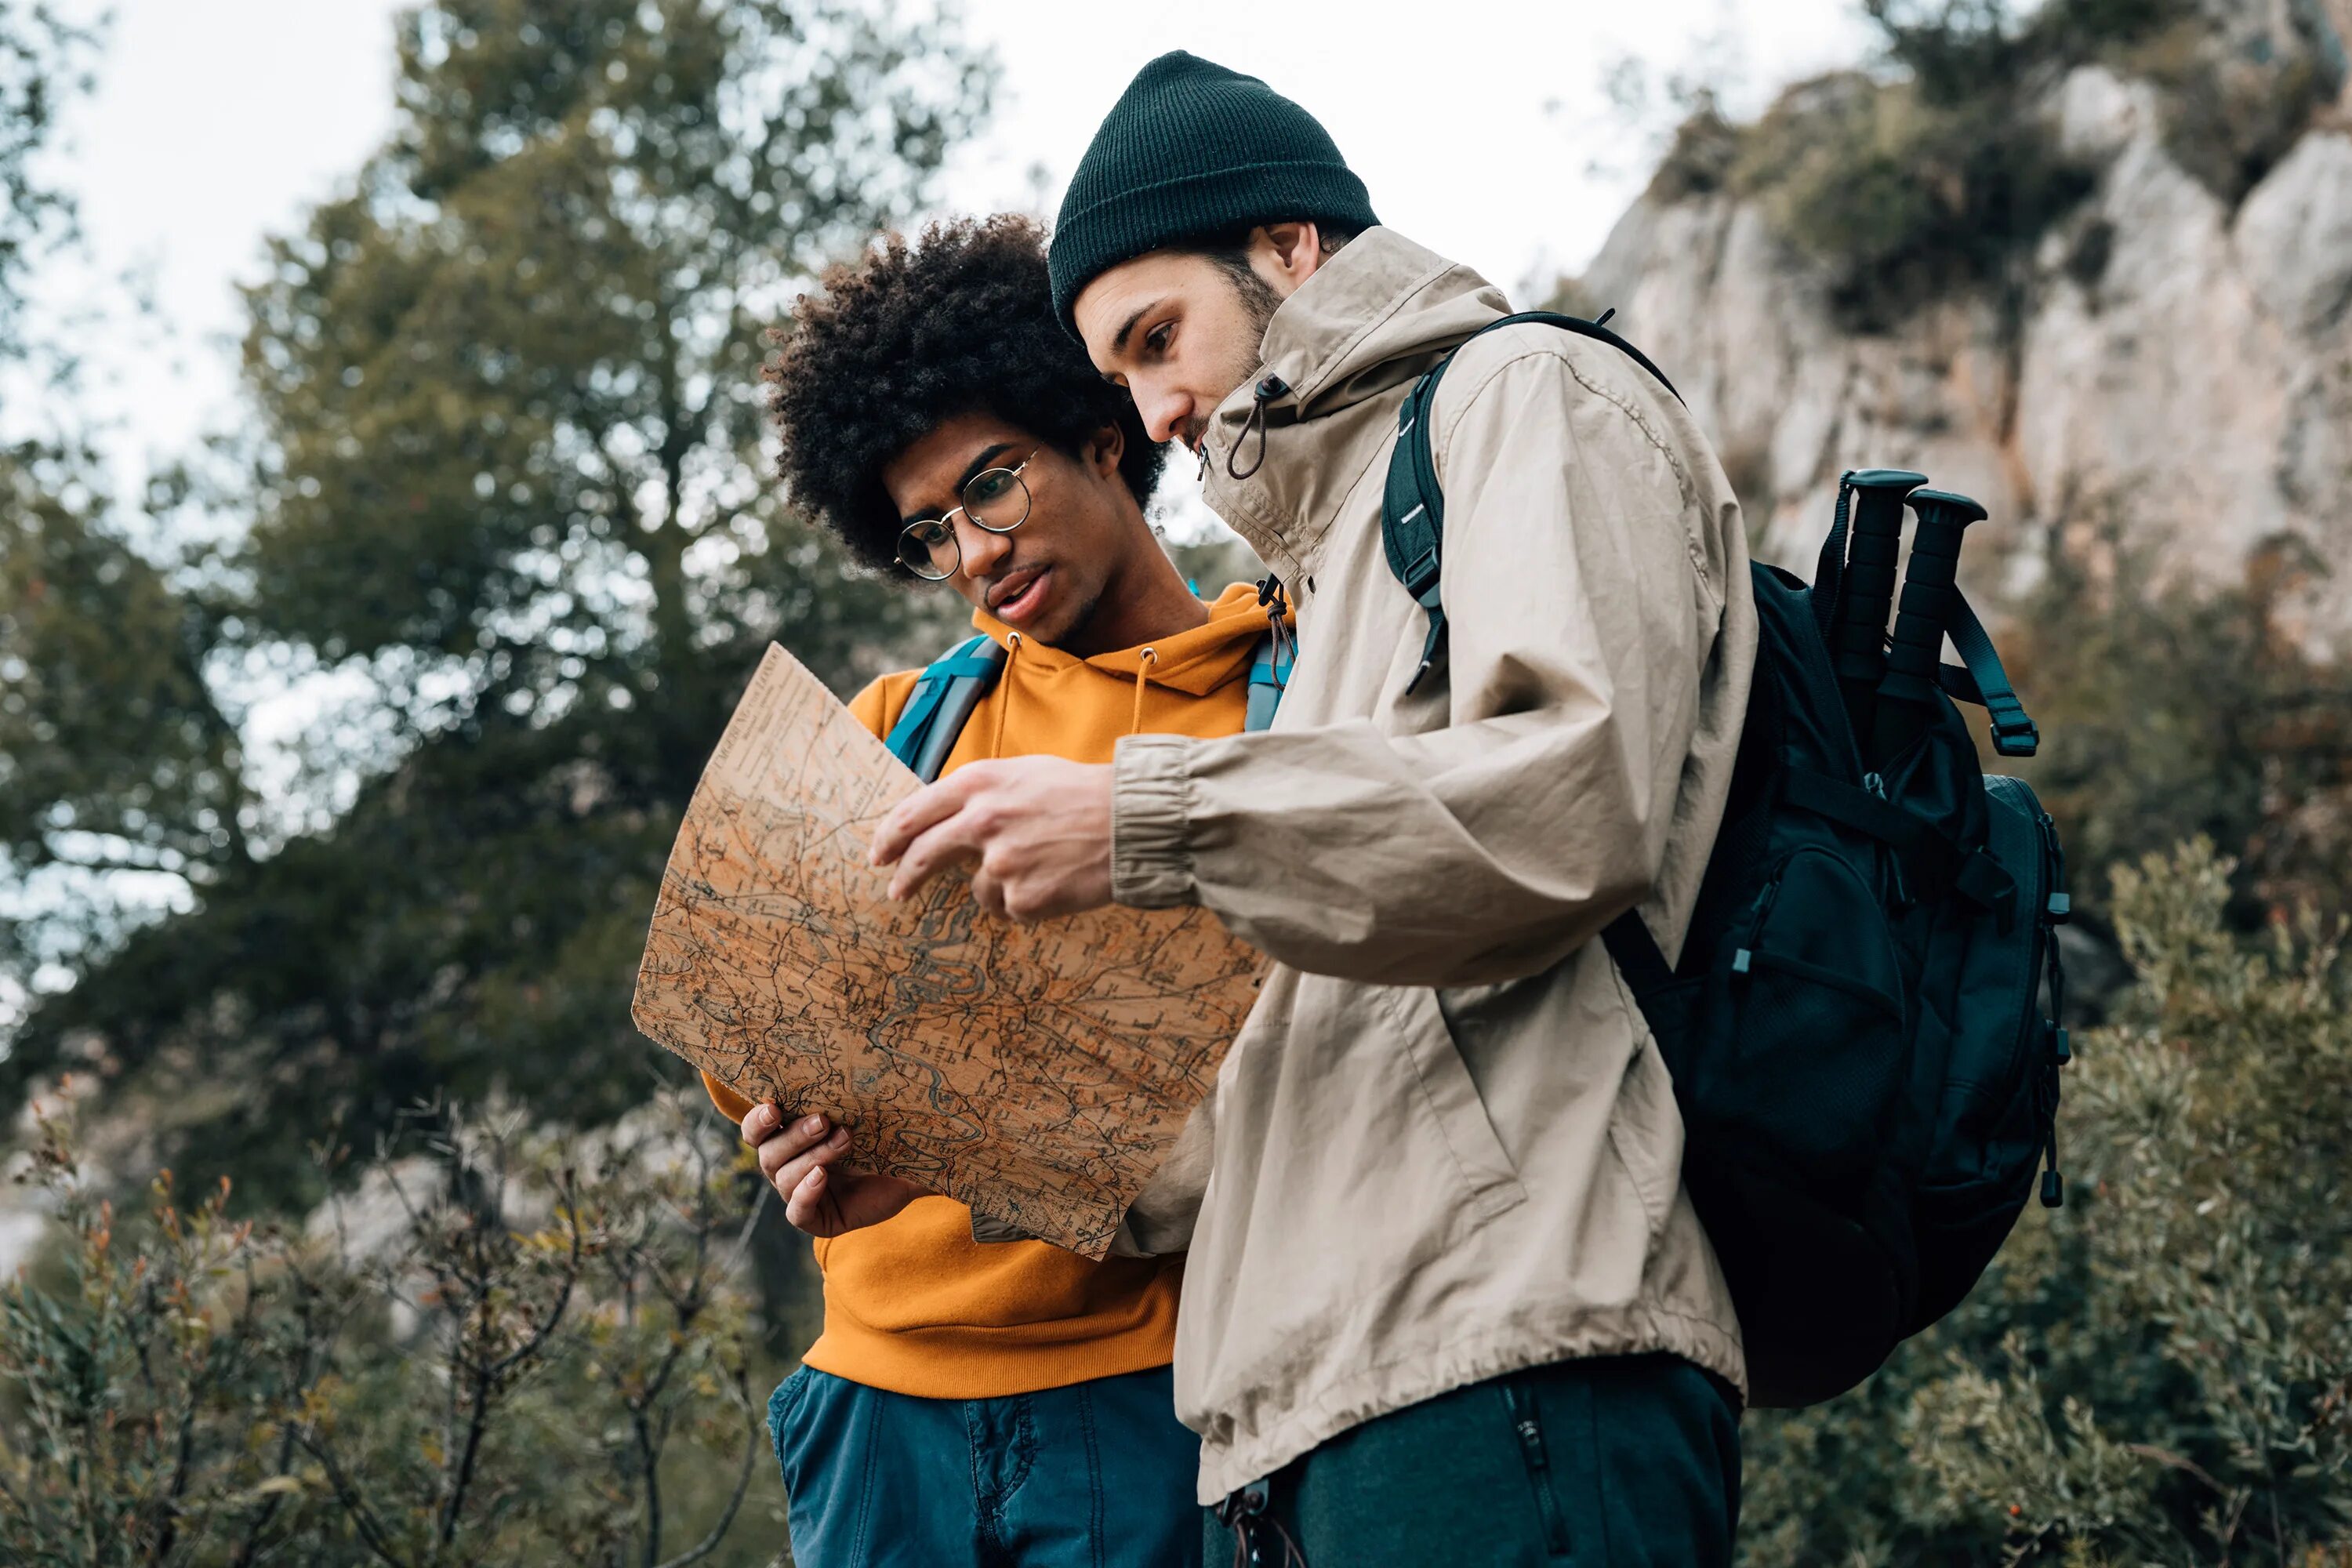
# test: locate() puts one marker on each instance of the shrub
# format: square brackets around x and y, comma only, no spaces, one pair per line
[2161,1371]
[1899,197]
[1935,172]
[2170,710]
[505,1355]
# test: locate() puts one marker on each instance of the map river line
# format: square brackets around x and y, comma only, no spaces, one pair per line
[1038,1073]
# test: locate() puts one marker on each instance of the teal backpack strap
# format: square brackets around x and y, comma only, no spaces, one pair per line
[950,687]
[1412,510]
[1270,664]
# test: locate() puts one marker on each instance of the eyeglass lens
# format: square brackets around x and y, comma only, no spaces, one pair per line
[996,500]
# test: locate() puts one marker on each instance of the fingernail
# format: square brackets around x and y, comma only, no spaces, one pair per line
[815,1178]
[840,1135]
[762,1115]
[813,1126]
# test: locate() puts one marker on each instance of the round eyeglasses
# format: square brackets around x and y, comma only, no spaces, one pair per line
[994,498]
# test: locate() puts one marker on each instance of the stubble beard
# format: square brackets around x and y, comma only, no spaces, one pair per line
[1258,302]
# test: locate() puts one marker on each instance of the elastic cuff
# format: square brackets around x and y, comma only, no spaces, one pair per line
[1151,869]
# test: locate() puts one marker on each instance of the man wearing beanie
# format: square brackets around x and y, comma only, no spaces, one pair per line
[1446,1300]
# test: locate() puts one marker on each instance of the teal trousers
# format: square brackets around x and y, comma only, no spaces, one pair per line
[1608,1463]
[1096,1475]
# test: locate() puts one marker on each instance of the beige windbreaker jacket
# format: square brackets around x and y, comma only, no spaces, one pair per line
[1444,1146]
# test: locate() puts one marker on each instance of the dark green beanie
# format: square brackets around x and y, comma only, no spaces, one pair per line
[1194,151]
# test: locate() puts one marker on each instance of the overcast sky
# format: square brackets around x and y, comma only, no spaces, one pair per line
[1474,123]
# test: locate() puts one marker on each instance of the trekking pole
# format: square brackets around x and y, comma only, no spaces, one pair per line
[1858,638]
[1907,691]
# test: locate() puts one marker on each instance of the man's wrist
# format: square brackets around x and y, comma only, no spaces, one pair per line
[1151,799]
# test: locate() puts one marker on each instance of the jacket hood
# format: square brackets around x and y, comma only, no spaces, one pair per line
[1195,662]
[1377,314]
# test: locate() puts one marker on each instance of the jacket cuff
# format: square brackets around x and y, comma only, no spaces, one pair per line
[1150,866]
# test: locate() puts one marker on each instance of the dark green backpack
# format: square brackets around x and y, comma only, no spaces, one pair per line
[1854,1024]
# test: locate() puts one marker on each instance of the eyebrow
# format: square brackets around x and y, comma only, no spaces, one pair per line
[972,470]
[1119,342]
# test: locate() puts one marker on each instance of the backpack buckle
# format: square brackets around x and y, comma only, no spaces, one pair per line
[2015,737]
[1421,574]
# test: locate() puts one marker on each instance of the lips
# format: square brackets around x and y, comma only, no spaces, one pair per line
[1021,594]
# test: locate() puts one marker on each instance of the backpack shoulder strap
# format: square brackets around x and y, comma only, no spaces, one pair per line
[1412,531]
[1413,511]
[1270,664]
[947,692]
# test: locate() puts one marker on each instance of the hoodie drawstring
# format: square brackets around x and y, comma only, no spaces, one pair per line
[1004,686]
[1143,663]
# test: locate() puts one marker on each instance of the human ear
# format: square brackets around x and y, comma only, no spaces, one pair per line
[1287,254]
[1106,448]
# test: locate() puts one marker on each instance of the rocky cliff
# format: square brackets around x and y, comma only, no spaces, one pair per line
[2162,353]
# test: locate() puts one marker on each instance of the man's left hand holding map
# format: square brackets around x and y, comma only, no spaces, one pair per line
[1038,1074]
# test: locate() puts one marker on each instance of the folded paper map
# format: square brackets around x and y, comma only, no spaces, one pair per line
[1038,1073]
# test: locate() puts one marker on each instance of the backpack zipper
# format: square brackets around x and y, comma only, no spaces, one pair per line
[2056,910]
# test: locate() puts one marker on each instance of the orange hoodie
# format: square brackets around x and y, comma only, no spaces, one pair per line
[914,1305]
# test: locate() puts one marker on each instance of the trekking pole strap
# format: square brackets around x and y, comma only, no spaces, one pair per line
[2014,733]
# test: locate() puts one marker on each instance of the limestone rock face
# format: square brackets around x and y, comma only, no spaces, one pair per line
[2170,362]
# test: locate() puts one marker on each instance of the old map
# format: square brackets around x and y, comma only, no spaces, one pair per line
[1037,1073]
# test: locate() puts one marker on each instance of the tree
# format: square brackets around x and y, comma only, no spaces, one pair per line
[43,63]
[114,757]
[507,474]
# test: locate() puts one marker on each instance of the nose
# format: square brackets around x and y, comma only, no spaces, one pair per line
[983,552]
[1164,410]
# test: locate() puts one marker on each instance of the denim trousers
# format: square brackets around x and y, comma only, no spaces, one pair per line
[1096,1475]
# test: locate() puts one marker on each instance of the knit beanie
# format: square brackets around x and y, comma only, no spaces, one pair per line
[1194,151]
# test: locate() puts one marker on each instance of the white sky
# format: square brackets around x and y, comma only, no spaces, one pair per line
[1472,122]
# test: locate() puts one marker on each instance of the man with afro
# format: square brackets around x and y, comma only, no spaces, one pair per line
[976,1398]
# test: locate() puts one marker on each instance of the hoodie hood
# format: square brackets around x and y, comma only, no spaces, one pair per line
[1194,662]
[1375,316]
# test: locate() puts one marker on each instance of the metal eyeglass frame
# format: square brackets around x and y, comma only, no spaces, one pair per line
[1028,500]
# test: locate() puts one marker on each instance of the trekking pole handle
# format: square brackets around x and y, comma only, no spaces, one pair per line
[1918,642]
[1860,639]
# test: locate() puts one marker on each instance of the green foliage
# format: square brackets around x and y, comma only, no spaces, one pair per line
[1901,195]
[43,62]
[2161,1371]
[98,648]
[506,478]
[2171,710]
[2231,114]
[510,1350]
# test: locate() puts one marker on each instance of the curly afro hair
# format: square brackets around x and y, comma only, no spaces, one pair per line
[909,336]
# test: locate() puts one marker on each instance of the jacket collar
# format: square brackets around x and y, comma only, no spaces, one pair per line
[1379,313]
